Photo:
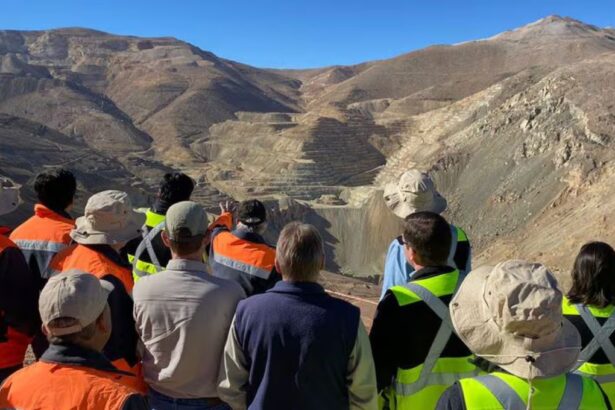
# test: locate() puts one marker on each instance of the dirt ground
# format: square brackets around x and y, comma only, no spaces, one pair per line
[362,294]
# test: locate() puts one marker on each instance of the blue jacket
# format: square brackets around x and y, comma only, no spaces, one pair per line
[397,270]
[298,341]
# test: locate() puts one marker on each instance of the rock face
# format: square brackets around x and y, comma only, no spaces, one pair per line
[517,129]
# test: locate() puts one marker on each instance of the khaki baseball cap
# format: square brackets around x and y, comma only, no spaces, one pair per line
[186,220]
[414,192]
[78,296]
[9,195]
[511,315]
[109,219]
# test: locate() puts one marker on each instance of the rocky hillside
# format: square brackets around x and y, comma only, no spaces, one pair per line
[518,130]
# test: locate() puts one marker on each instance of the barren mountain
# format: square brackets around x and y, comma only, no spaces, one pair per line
[518,130]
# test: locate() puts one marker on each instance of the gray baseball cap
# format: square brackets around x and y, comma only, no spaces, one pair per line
[78,296]
[186,220]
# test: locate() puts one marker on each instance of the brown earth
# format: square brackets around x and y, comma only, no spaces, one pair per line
[517,130]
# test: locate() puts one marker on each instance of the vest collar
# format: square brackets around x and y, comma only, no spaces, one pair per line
[298,288]
[74,355]
[153,218]
[44,212]
[431,271]
[187,265]
[249,236]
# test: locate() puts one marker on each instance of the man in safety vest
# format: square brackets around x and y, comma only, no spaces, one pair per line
[152,256]
[510,316]
[416,353]
[73,373]
[47,232]
[18,292]
[416,192]
[109,222]
[243,255]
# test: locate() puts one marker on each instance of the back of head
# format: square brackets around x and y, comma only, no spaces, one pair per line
[593,275]
[300,252]
[175,187]
[70,305]
[430,236]
[56,188]
[185,227]
[252,213]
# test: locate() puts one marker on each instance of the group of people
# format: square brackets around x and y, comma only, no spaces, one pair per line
[175,308]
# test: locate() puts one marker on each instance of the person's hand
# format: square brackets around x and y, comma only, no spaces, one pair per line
[228,206]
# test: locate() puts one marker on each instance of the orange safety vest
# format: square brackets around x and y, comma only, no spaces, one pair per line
[41,237]
[83,259]
[13,351]
[80,258]
[44,386]
[256,259]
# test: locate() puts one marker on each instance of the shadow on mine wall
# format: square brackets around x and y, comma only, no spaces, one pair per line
[356,239]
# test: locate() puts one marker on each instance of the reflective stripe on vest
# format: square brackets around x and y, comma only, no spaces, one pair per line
[254,259]
[505,391]
[602,373]
[42,251]
[140,268]
[436,373]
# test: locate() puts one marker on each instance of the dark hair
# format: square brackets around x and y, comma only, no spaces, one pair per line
[186,244]
[593,275]
[176,187]
[300,252]
[56,188]
[430,236]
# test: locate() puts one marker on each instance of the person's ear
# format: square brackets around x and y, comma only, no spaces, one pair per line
[277,267]
[165,239]
[103,323]
[44,330]
[411,255]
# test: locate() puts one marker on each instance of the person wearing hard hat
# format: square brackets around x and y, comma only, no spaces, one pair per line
[416,192]
[510,316]
[73,373]
[18,292]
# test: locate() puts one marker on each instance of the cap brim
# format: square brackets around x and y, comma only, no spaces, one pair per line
[475,327]
[86,235]
[107,286]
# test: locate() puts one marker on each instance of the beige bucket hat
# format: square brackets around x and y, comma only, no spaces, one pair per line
[414,192]
[9,195]
[511,315]
[109,219]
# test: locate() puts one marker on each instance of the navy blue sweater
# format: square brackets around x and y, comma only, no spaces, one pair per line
[297,341]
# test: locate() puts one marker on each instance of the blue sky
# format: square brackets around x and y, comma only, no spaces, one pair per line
[301,33]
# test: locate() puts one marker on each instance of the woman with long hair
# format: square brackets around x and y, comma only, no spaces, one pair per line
[590,306]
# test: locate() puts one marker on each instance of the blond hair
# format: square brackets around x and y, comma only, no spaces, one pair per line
[300,252]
